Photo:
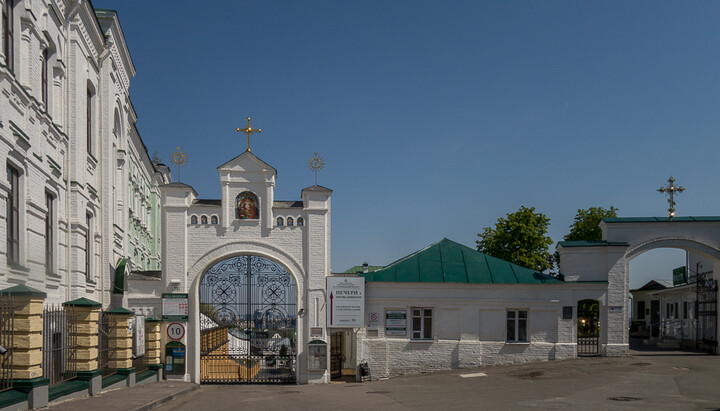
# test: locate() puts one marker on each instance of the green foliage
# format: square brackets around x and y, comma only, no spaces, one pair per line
[588,314]
[156,158]
[586,225]
[521,238]
[283,350]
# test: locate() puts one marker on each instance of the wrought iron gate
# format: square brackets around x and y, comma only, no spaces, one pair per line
[706,313]
[588,330]
[336,353]
[248,322]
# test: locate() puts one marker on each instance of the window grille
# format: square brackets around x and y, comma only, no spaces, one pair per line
[7,327]
[59,344]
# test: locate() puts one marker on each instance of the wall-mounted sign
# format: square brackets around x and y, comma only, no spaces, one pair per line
[317,353]
[176,331]
[615,309]
[139,348]
[395,322]
[374,321]
[346,301]
[175,307]
[316,332]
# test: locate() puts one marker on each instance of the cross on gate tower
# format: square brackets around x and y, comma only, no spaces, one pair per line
[671,189]
[248,130]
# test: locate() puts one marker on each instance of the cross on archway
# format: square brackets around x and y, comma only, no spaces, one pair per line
[248,130]
[670,190]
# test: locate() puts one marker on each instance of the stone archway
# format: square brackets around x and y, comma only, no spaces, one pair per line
[624,239]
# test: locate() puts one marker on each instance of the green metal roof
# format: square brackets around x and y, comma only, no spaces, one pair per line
[119,285]
[449,262]
[658,219]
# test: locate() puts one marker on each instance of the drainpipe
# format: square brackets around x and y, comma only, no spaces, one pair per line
[103,253]
[68,200]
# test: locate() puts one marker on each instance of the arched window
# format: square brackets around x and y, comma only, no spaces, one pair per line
[193,219]
[301,221]
[280,222]
[213,220]
[203,219]
[290,221]
[246,206]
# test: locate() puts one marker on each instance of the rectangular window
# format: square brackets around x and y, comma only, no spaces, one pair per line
[641,310]
[49,233]
[516,325]
[422,323]
[88,130]
[567,312]
[676,312]
[8,34]
[13,215]
[668,310]
[685,310]
[88,251]
[44,78]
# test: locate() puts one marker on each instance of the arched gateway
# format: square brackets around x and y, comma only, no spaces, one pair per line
[255,290]
[607,261]
[248,322]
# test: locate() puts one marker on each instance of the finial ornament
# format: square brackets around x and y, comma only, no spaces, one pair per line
[248,130]
[671,189]
[316,163]
[178,158]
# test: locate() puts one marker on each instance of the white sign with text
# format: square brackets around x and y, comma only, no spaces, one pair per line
[346,302]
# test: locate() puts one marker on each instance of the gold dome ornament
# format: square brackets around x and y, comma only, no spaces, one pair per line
[670,190]
[178,158]
[316,163]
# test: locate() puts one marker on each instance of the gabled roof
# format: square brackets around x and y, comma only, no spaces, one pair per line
[449,262]
[656,285]
[245,156]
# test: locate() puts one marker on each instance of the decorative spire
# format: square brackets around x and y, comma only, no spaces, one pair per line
[178,158]
[670,190]
[248,130]
[316,163]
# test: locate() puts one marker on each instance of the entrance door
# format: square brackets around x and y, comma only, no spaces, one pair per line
[588,336]
[337,342]
[655,318]
[248,322]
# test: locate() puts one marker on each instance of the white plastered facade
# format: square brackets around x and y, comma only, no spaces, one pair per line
[192,249]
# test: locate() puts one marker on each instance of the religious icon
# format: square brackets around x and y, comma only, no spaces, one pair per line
[246,206]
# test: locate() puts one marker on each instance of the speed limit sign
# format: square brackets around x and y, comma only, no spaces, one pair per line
[176,331]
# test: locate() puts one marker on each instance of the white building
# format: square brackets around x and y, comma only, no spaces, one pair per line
[249,263]
[81,192]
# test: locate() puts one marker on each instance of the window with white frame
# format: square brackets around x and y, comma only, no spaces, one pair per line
[516,325]
[13,215]
[49,233]
[8,34]
[422,324]
[88,246]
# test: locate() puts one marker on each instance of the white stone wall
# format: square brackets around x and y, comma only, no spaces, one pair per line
[469,325]
[85,50]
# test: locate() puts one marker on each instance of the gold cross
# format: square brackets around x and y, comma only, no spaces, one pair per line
[248,130]
[671,190]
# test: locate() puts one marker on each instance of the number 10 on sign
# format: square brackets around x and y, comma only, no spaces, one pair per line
[176,331]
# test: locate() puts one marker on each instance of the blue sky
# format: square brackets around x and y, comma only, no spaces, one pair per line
[437,118]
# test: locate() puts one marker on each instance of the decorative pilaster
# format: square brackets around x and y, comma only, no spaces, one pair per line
[153,336]
[87,313]
[27,344]
[121,338]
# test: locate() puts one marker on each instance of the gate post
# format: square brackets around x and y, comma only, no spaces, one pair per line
[88,313]
[153,336]
[27,345]
[121,323]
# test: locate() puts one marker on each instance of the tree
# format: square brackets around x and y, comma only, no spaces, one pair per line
[521,238]
[156,158]
[586,225]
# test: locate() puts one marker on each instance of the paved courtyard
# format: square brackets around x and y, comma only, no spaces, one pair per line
[647,380]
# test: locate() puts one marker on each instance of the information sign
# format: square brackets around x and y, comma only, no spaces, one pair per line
[679,276]
[346,302]
[395,322]
[175,307]
[139,349]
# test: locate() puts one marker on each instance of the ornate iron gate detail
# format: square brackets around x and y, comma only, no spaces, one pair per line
[336,354]
[706,313]
[248,322]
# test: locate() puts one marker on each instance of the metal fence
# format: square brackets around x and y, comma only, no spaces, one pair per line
[139,344]
[106,351]
[7,327]
[59,344]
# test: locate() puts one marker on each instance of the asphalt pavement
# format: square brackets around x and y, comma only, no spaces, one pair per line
[666,380]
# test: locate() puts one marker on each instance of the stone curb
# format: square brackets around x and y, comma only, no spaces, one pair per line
[163,400]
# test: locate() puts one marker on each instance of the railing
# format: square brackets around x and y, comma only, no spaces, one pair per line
[7,327]
[59,344]
[106,351]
